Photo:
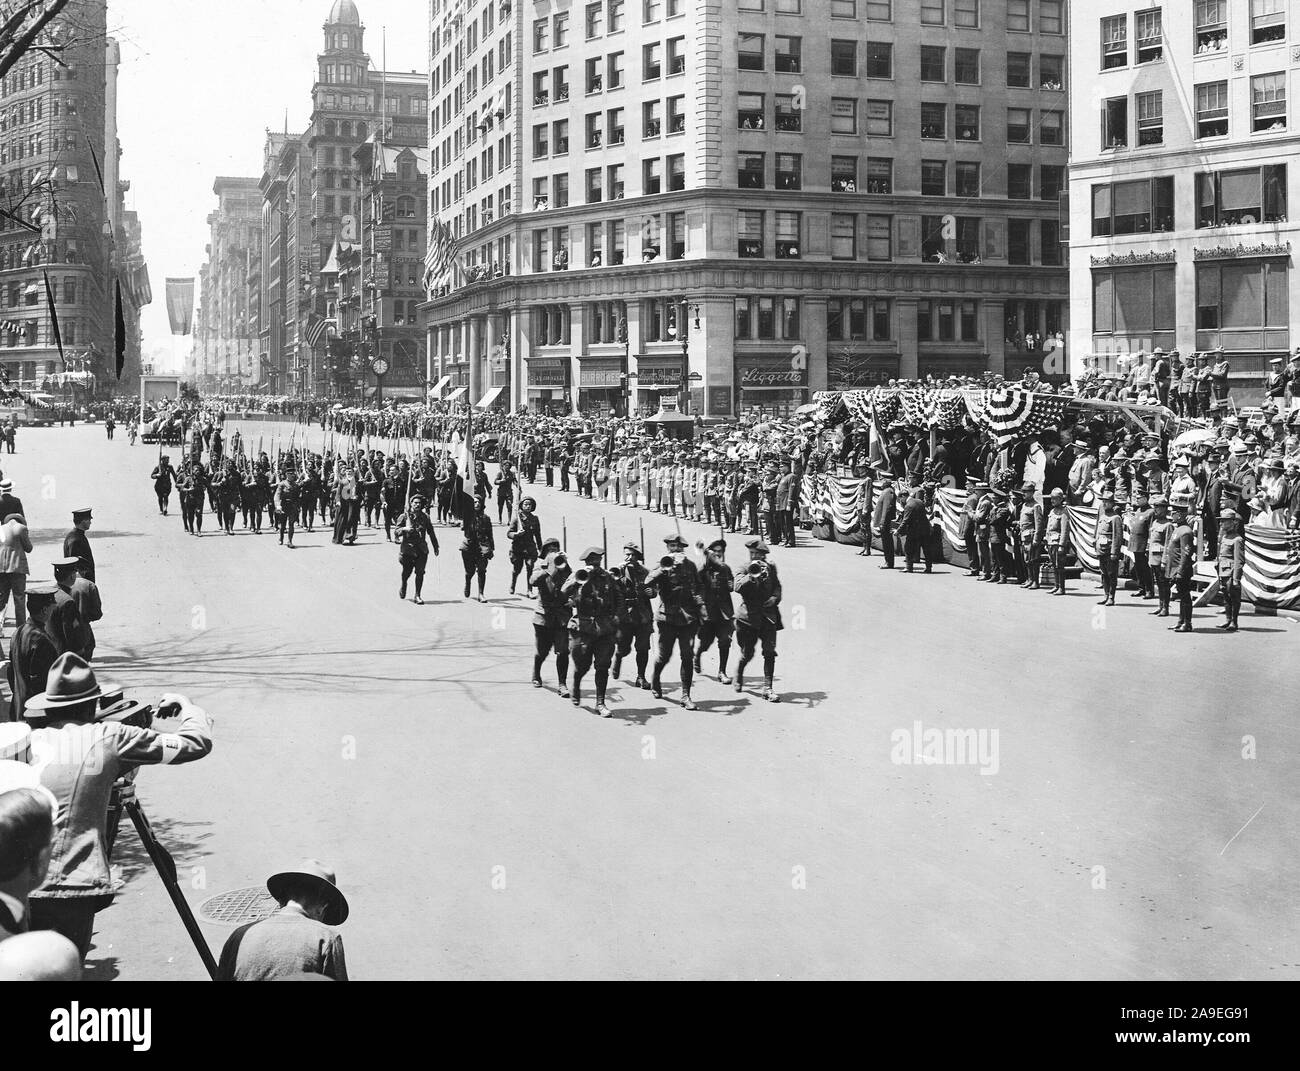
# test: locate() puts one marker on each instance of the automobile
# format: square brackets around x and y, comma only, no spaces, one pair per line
[487,447]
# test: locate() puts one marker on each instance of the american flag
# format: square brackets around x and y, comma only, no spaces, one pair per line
[1010,414]
[316,329]
[440,254]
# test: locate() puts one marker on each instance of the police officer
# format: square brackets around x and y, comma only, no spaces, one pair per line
[758,618]
[414,532]
[593,627]
[636,619]
[719,618]
[681,602]
[551,620]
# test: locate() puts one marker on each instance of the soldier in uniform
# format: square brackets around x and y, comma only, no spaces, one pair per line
[1029,521]
[250,501]
[414,534]
[525,535]
[76,545]
[1110,544]
[636,618]
[551,620]
[506,482]
[286,505]
[758,618]
[681,603]
[1231,562]
[719,618]
[1056,539]
[1139,530]
[884,515]
[162,476]
[478,546]
[66,627]
[593,628]
[32,652]
[1180,560]
[1157,542]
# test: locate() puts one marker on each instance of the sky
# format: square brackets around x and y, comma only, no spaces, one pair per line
[201,82]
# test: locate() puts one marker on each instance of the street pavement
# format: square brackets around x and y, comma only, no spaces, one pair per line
[1132,814]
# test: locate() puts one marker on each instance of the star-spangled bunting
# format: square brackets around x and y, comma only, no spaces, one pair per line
[1009,414]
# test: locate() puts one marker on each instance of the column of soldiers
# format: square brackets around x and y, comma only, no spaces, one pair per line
[596,618]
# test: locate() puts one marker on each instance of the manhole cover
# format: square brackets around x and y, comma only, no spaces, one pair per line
[239,906]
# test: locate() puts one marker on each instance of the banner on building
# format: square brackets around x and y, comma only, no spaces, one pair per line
[180,305]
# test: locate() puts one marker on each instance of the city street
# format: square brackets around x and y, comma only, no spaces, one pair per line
[1118,825]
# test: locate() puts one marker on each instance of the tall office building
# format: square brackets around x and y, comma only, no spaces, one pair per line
[226,342]
[739,203]
[1182,164]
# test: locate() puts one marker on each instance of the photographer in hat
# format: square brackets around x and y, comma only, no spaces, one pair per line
[298,939]
[80,759]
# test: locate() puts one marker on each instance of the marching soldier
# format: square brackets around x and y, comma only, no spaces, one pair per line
[718,620]
[525,535]
[593,628]
[636,615]
[758,618]
[681,602]
[478,546]
[414,533]
[551,620]
[162,476]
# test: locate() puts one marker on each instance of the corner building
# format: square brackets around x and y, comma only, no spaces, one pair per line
[1184,160]
[741,203]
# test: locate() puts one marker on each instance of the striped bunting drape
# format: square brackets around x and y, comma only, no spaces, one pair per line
[1009,414]
[949,504]
[1272,570]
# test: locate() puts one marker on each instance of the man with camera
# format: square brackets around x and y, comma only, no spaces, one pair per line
[681,603]
[758,618]
[551,620]
[593,628]
[636,619]
[718,620]
[79,759]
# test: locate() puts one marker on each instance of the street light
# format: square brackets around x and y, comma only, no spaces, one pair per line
[627,378]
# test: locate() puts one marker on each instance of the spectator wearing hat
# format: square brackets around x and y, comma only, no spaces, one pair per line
[9,502]
[1180,558]
[1109,540]
[758,618]
[32,652]
[15,545]
[525,535]
[297,940]
[76,545]
[414,533]
[66,627]
[593,627]
[79,759]
[915,526]
[883,515]
[1275,493]
[1231,562]
[718,619]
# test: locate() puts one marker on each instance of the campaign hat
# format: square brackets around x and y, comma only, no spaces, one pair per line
[71,681]
[322,878]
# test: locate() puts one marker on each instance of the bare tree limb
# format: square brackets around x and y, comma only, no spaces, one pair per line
[23,43]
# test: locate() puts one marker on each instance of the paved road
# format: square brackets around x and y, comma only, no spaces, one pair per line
[483,829]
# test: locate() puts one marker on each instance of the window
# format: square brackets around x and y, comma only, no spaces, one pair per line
[879,10]
[844,58]
[1244,294]
[614,181]
[788,235]
[541,142]
[1050,231]
[968,122]
[652,121]
[966,14]
[934,121]
[880,118]
[594,192]
[614,69]
[1051,72]
[844,115]
[966,66]
[968,179]
[1018,16]
[677,55]
[676,235]
[878,238]
[560,133]
[749,48]
[766,317]
[1133,300]
[932,12]
[1050,128]
[561,29]
[934,63]
[1150,117]
[789,53]
[1212,109]
[677,172]
[1018,70]
[968,239]
[880,174]
[789,171]
[744,321]
[1018,251]
[750,109]
[651,176]
[1267,21]
[1150,35]
[844,9]
[651,62]
[788,117]
[1018,120]
[788,7]
[934,178]
[1051,182]
[1114,124]
[595,83]
[1114,42]
[749,234]
[1020,181]
[651,11]
[1050,17]
[1211,26]
[561,188]
[617,131]
[1145,206]
[1243,197]
[934,246]
[676,115]
[750,167]
[880,60]
[844,174]
[594,135]
[844,236]
[1268,102]
[595,20]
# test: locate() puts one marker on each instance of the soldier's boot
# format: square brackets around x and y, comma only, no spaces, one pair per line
[601,709]
[618,665]
[656,688]
[697,662]
[467,587]
[740,678]
[563,689]
[687,702]
[768,692]
[577,694]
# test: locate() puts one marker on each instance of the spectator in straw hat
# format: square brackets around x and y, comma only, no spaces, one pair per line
[297,940]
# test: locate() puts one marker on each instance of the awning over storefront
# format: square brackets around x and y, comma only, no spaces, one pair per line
[491,396]
[456,395]
[437,389]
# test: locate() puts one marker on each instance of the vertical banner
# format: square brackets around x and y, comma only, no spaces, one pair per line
[180,305]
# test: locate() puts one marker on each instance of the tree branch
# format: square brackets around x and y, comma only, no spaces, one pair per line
[24,42]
